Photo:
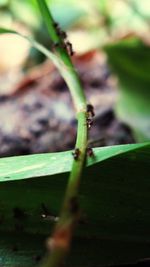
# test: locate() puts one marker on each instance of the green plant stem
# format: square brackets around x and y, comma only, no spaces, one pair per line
[68,219]
[59,243]
[73,82]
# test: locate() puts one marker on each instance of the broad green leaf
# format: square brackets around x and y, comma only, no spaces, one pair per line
[130,60]
[38,165]
[114,199]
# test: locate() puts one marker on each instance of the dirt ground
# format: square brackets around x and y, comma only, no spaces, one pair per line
[37,114]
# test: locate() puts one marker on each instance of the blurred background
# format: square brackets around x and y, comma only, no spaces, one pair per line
[37,114]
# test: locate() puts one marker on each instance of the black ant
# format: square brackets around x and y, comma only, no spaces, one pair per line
[89,123]
[90,152]
[90,110]
[59,31]
[47,215]
[90,115]
[69,48]
[76,154]
[45,211]
[63,34]
[56,25]
[65,44]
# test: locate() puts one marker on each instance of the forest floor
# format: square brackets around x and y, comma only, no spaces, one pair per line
[37,113]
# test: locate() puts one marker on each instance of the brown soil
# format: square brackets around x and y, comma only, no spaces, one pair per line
[38,115]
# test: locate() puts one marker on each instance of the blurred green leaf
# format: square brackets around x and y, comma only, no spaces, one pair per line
[27,12]
[114,199]
[38,165]
[3,3]
[66,16]
[5,31]
[130,61]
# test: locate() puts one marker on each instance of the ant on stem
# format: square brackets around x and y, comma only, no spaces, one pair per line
[76,154]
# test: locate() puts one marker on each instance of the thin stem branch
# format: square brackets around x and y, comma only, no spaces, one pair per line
[73,81]
[59,244]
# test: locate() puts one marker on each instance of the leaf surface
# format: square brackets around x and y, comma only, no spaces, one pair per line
[114,200]
[38,165]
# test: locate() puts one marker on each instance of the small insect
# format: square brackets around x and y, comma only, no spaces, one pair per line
[90,110]
[89,123]
[47,215]
[56,25]
[45,211]
[59,31]
[69,48]
[76,154]
[65,44]
[63,34]
[90,152]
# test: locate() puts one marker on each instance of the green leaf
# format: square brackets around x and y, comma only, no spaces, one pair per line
[5,31]
[114,199]
[46,164]
[130,60]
